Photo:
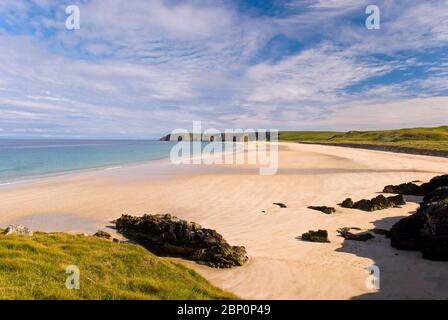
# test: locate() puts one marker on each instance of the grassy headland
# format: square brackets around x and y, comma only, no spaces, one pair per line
[431,141]
[34,268]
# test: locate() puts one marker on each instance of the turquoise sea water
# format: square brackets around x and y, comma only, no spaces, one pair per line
[29,158]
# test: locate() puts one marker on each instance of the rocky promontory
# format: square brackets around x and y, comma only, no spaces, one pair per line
[170,236]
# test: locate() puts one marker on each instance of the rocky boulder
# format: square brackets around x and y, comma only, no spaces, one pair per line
[378,203]
[14,229]
[426,230]
[437,195]
[347,203]
[434,232]
[416,190]
[316,236]
[404,188]
[171,236]
[405,234]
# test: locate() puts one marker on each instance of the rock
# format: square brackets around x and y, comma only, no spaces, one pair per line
[171,236]
[397,200]
[347,203]
[433,184]
[324,209]
[378,203]
[426,230]
[434,232]
[281,205]
[14,229]
[102,234]
[437,195]
[404,188]
[316,236]
[416,190]
[360,236]
[405,234]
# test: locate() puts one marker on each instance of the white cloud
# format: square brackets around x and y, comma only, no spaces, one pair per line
[140,67]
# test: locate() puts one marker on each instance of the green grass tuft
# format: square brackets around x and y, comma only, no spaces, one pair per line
[34,268]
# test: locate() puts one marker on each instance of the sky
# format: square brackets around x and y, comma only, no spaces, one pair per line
[142,68]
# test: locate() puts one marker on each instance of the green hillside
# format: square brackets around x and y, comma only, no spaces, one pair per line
[35,268]
[429,139]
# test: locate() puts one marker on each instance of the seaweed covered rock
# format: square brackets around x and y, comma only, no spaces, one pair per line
[324,209]
[416,190]
[171,236]
[378,203]
[316,236]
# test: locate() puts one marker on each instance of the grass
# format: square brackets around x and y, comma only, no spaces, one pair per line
[310,136]
[425,139]
[34,268]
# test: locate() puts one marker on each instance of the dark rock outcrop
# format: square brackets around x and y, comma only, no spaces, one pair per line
[378,203]
[347,203]
[434,232]
[316,236]
[426,230]
[324,209]
[438,194]
[404,188]
[360,236]
[416,190]
[171,236]
[405,234]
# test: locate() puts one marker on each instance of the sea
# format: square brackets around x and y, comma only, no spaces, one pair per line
[22,159]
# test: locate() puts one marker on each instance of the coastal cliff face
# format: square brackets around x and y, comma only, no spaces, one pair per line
[229,137]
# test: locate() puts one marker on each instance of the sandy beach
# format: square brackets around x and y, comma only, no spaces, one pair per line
[238,203]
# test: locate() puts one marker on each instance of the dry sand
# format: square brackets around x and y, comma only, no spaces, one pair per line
[232,200]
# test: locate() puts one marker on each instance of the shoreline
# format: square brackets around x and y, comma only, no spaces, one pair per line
[240,207]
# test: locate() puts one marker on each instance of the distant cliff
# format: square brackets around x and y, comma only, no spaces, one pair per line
[230,137]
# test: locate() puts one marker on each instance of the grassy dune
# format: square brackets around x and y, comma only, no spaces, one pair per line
[418,139]
[34,268]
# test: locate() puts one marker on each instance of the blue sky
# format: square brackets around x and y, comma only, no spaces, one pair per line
[141,68]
